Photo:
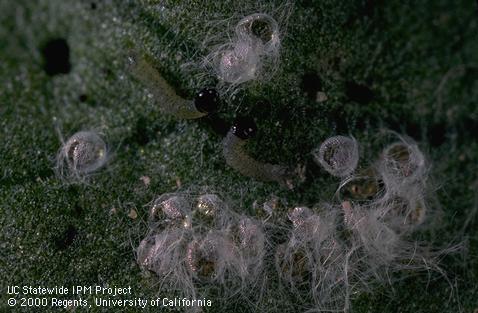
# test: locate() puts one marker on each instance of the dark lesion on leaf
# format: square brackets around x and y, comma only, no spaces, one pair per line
[66,238]
[358,93]
[56,55]
[311,84]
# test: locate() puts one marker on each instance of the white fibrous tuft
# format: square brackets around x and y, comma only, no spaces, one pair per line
[170,209]
[195,240]
[313,259]
[338,155]
[82,154]
[238,64]
[380,236]
[341,250]
[325,254]
[263,32]
[244,57]
[401,164]
[364,186]
[251,240]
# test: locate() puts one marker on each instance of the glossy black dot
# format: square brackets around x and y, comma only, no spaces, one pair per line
[207,100]
[93,5]
[244,127]
[56,54]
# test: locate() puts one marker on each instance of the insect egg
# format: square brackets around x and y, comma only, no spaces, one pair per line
[208,211]
[365,186]
[338,155]
[299,215]
[238,64]
[262,29]
[201,259]
[83,153]
[402,160]
[208,204]
[170,208]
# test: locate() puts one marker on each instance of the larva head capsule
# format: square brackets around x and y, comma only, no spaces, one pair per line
[207,100]
[338,155]
[244,128]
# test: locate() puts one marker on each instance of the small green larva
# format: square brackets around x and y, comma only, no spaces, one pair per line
[237,158]
[142,68]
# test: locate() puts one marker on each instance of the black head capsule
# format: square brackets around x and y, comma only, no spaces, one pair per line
[244,128]
[207,100]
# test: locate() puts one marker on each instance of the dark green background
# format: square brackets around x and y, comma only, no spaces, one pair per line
[409,66]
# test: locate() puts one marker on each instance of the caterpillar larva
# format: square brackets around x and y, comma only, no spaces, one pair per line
[206,100]
[237,158]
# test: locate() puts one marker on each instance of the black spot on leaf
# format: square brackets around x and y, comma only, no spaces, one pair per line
[56,54]
[142,133]
[437,134]
[413,129]
[311,84]
[338,120]
[83,98]
[66,238]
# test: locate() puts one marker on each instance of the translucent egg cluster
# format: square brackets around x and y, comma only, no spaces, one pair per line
[326,253]
[335,250]
[198,239]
